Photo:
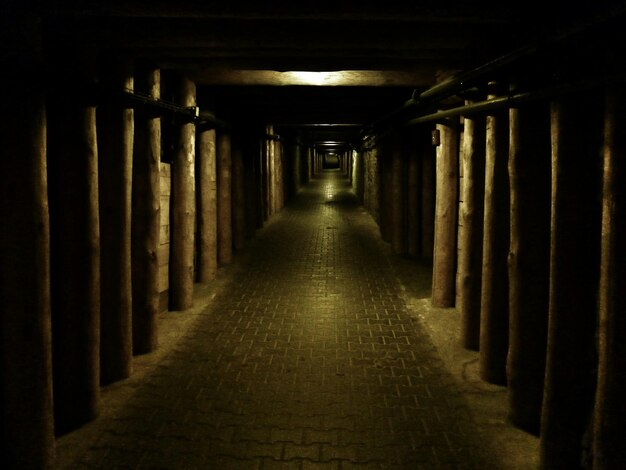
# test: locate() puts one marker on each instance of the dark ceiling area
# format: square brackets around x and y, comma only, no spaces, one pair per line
[252,61]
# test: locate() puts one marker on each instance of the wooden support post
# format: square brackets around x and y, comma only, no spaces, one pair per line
[574,271]
[494,315]
[428,198]
[279,181]
[224,198]
[414,213]
[396,193]
[183,209]
[529,262]
[75,252]
[271,177]
[146,219]
[609,448]
[207,206]
[27,429]
[260,180]
[265,179]
[348,157]
[309,163]
[444,263]
[250,157]
[386,183]
[471,230]
[115,158]
[238,194]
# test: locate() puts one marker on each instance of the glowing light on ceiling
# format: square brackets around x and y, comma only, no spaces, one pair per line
[316,78]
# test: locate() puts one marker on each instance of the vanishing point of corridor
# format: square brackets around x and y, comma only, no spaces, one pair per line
[308,359]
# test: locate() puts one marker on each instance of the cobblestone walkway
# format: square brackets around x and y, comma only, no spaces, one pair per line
[309,359]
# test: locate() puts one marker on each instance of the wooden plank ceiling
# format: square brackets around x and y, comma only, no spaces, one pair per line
[241,54]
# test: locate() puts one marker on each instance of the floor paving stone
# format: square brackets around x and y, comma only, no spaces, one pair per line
[308,358]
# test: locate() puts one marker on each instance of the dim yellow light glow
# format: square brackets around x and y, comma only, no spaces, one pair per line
[316,78]
[218,76]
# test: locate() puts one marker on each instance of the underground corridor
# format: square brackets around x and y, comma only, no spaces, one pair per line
[309,354]
[268,235]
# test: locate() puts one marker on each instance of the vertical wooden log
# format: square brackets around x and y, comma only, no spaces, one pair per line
[146,220]
[609,446]
[75,253]
[529,262]
[270,177]
[292,163]
[251,151]
[115,154]
[414,213]
[384,158]
[309,161]
[574,272]
[358,182]
[279,180]
[444,262]
[265,178]
[260,179]
[471,236]
[238,195]
[224,198]
[396,191]
[367,181]
[494,316]
[350,157]
[26,417]
[428,199]
[182,229]
[207,206]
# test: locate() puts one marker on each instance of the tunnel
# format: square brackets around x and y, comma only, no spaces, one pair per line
[329,235]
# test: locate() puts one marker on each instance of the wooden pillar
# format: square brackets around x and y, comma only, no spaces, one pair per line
[224,198]
[358,182]
[414,213]
[609,448]
[27,428]
[279,200]
[75,250]
[271,174]
[207,206]
[471,230]
[529,262]
[238,195]
[260,159]
[396,191]
[251,151]
[183,210]
[494,315]
[309,165]
[444,262]
[115,156]
[266,181]
[349,163]
[146,218]
[386,184]
[294,165]
[574,272]
[428,191]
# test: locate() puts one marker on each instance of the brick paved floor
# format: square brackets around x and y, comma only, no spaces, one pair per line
[306,358]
